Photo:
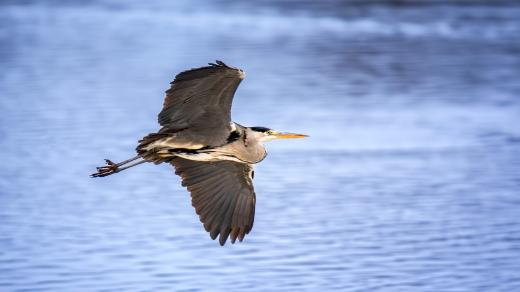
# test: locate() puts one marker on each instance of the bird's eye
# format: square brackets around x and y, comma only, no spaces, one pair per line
[269,132]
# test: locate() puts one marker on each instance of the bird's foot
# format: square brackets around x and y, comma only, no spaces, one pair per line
[108,169]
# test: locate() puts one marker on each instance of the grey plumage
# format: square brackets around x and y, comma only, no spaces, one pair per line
[199,103]
[213,155]
[222,194]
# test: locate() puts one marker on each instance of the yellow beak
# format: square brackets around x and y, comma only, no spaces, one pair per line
[289,136]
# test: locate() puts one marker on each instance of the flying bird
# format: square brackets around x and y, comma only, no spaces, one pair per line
[213,155]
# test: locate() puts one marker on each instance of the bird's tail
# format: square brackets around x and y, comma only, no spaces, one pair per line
[112,167]
[151,152]
[142,148]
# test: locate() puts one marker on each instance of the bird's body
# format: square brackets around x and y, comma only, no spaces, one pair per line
[242,145]
[213,155]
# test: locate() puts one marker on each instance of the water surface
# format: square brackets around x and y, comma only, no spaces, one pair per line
[409,182]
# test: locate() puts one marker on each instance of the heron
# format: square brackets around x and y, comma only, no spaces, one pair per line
[213,155]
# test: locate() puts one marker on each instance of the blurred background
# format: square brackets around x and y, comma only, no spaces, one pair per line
[410,180]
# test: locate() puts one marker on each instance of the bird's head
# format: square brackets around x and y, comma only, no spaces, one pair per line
[265,134]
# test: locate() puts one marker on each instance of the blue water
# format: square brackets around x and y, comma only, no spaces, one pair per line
[410,180]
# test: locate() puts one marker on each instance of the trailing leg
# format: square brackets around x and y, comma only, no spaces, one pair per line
[112,167]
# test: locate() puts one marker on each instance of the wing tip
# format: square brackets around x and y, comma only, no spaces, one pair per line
[220,64]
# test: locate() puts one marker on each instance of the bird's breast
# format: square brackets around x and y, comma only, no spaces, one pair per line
[236,151]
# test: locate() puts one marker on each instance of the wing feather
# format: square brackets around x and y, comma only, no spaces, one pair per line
[222,195]
[199,102]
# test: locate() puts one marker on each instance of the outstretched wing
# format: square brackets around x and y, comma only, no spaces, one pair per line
[222,194]
[199,102]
